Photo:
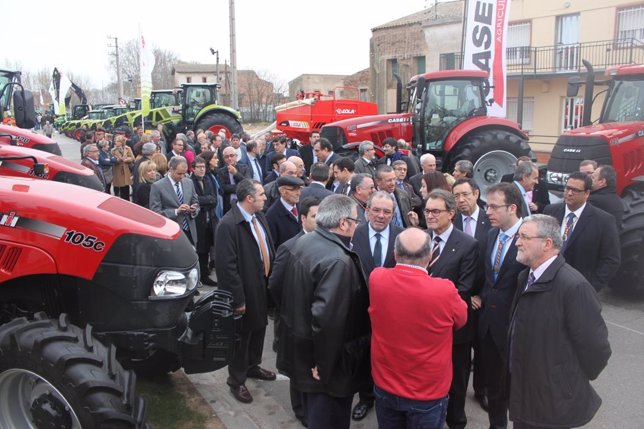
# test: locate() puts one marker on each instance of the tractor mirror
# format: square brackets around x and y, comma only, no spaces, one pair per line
[23,109]
[573,87]
[39,169]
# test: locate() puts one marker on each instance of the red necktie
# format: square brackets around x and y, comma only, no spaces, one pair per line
[294,211]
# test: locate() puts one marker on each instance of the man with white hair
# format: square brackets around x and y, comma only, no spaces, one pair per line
[427,164]
[365,164]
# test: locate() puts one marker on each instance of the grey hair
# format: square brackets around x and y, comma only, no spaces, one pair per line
[465,166]
[381,195]
[246,188]
[357,180]
[365,146]
[176,161]
[333,209]
[524,170]
[419,257]
[547,227]
[148,148]
[89,147]
[424,156]
[441,194]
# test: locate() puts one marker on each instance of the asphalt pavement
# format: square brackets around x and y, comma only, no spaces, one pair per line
[620,385]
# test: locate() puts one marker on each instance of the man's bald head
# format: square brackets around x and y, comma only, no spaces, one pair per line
[299,164]
[413,247]
[287,168]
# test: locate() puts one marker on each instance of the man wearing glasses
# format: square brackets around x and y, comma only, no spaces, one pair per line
[324,339]
[454,257]
[504,203]
[90,160]
[590,237]
[230,175]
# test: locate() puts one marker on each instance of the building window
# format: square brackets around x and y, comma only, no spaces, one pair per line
[188,79]
[204,79]
[518,43]
[572,113]
[528,112]
[420,64]
[364,94]
[394,67]
[630,25]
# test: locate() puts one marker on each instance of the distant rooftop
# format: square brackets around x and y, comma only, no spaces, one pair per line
[437,14]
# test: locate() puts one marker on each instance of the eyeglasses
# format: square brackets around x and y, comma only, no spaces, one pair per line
[494,207]
[574,190]
[524,237]
[357,221]
[462,195]
[434,212]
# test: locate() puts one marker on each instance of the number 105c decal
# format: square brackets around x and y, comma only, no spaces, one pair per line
[87,241]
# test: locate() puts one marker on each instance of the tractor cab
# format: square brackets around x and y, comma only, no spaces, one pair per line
[438,102]
[195,97]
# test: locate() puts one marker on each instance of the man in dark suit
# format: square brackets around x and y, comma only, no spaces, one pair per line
[366,163]
[230,175]
[174,197]
[427,164]
[317,187]
[308,211]
[472,220]
[280,147]
[306,151]
[454,257]
[540,196]
[590,238]
[323,149]
[374,241]
[604,196]
[253,161]
[501,271]
[244,256]
[386,181]
[282,217]
[273,171]
[343,172]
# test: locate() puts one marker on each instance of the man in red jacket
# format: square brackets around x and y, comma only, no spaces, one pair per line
[413,317]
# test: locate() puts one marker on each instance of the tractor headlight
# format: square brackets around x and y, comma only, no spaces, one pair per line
[170,284]
[557,178]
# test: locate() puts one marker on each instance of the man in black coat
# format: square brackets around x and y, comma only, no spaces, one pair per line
[604,196]
[308,211]
[244,255]
[373,241]
[540,195]
[306,151]
[282,217]
[558,338]
[454,257]
[501,271]
[324,338]
[591,241]
[230,175]
[386,181]
[317,188]
[473,221]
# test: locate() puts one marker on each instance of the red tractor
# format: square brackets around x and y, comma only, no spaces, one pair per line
[446,115]
[616,139]
[90,284]
[312,110]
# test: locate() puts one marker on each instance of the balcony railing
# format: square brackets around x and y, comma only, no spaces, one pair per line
[563,58]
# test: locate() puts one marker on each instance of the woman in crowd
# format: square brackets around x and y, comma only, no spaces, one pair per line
[122,175]
[147,176]
[433,180]
[106,161]
[212,162]
[162,163]
[205,221]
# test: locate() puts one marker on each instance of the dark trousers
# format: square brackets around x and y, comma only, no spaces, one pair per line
[326,411]
[493,364]
[248,355]
[395,412]
[298,402]
[518,425]
[478,374]
[123,192]
[461,367]
[203,264]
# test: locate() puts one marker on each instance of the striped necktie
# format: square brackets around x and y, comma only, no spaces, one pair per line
[184,221]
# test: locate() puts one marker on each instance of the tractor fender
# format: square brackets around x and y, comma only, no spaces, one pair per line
[476,124]
[22,260]
[217,108]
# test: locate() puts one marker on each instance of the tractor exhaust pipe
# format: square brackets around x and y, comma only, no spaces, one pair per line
[588,92]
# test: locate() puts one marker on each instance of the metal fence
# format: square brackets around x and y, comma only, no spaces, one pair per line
[562,58]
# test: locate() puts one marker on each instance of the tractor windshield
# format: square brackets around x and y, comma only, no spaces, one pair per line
[445,104]
[626,102]
[5,96]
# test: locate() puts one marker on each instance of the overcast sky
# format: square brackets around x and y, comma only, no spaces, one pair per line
[284,38]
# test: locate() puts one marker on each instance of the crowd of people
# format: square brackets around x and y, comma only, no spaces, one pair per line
[388,278]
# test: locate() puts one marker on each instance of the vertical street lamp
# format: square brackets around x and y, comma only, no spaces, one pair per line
[216,53]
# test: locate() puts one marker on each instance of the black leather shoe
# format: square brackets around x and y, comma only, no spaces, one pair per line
[305,422]
[360,410]
[261,374]
[241,393]
[482,400]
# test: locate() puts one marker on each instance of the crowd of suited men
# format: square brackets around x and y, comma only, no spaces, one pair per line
[247,206]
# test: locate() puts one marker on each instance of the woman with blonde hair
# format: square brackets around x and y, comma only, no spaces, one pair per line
[162,163]
[122,175]
[147,176]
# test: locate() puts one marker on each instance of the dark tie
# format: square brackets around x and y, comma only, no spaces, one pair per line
[377,251]
[498,258]
[184,221]
[259,170]
[570,223]
[436,252]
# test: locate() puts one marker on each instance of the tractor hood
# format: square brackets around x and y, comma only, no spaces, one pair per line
[27,138]
[374,128]
[79,223]
[612,131]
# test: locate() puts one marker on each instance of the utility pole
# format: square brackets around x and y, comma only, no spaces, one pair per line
[233,58]
[119,81]
[216,53]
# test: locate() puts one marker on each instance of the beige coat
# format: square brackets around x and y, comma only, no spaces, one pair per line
[122,176]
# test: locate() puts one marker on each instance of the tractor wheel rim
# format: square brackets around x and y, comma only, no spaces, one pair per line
[20,391]
[489,168]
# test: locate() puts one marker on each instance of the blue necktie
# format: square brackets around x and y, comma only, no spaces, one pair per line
[184,222]
[258,171]
[377,251]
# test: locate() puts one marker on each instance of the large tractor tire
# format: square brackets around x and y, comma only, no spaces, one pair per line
[630,276]
[493,152]
[56,375]
[218,121]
